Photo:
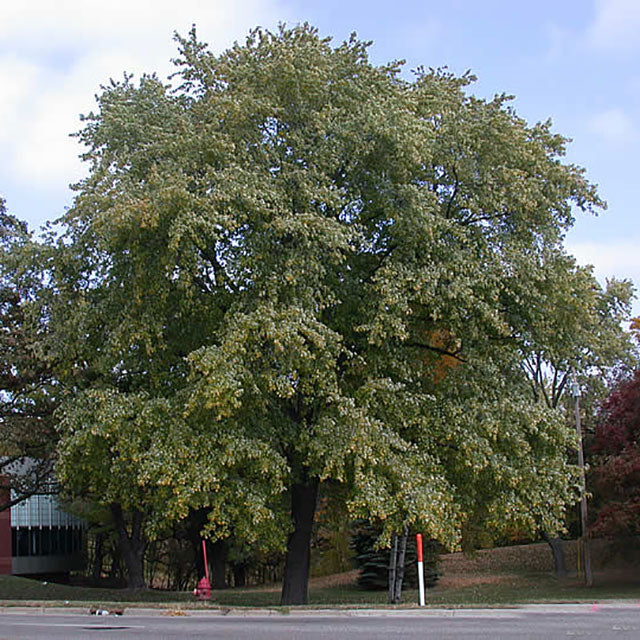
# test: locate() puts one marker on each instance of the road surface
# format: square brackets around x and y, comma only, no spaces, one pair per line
[548,622]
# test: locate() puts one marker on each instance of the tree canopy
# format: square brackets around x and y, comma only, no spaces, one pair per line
[27,393]
[292,269]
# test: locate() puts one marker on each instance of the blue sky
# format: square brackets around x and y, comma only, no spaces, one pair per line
[572,60]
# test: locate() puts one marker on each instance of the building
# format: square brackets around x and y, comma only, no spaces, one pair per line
[38,537]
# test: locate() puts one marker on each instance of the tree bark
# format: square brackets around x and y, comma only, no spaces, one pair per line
[115,572]
[557,550]
[393,567]
[96,571]
[219,564]
[132,546]
[397,596]
[295,584]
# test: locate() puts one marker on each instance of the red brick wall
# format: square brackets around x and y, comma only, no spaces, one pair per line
[5,530]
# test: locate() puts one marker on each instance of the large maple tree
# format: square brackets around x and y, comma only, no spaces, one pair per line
[268,263]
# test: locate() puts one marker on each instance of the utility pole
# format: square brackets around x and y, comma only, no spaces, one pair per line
[584,540]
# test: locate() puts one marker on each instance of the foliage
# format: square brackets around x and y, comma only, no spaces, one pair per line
[616,468]
[27,385]
[580,325]
[296,267]
[137,452]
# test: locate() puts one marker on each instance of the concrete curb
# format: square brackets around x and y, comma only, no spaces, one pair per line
[514,611]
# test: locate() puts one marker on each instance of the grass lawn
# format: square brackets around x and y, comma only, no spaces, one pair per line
[496,577]
[499,590]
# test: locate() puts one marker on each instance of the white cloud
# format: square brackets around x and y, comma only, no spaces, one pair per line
[55,54]
[616,25]
[619,258]
[46,154]
[614,126]
[18,79]
[78,24]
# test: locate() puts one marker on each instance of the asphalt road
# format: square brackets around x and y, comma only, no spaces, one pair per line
[548,622]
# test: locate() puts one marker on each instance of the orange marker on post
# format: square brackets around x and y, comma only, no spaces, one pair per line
[420,569]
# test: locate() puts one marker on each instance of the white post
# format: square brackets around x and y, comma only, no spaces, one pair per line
[420,569]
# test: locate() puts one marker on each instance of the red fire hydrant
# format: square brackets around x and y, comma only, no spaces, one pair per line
[203,588]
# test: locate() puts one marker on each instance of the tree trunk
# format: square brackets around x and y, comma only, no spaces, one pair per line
[96,571]
[557,549]
[397,596]
[219,564]
[132,546]
[393,567]
[114,572]
[295,584]
[239,575]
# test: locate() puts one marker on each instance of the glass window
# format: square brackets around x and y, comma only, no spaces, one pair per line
[34,542]
[45,540]
[54,544]
[21,547]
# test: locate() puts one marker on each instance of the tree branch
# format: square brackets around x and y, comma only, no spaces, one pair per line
[440,350]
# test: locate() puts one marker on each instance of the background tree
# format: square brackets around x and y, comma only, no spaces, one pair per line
[290,248]
[616,462]
[584,332]
[27,389]
[579,327]
[374,563]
